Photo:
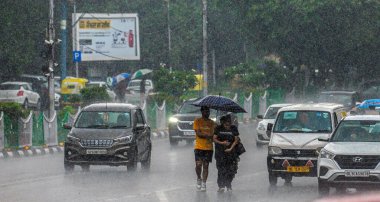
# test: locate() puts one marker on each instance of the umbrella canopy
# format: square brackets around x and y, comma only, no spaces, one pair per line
[219,103]
[117,79]
[369,103]
[140,73]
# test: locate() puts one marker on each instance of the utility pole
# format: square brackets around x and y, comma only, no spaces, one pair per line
[64,40]
[169,35]
[204,48]
[51,42]
[213,68]
[75,39]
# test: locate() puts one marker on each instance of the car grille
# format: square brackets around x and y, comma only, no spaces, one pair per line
[353,162]
[299,153]
[188,125]
[96,143]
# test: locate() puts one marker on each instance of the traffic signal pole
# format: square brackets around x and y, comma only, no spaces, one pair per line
[51,42]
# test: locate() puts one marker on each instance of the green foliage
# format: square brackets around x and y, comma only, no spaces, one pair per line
[172,85]
[94,95]
[14,110]
[66,109]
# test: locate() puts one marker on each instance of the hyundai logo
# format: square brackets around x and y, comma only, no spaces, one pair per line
[357,159]
[298,152]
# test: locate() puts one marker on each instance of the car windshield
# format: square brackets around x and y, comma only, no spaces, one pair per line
[303,122]
[188,108]
[9,87]
[357,131]
[336,98]
[271,113]
[103,120]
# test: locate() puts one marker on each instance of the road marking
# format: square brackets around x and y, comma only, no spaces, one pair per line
[161,196]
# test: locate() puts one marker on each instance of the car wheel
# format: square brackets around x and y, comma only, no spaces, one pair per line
[288,179]
[323,188]
[173,142]
[146,163]
[272,179]
[68,167]
[85,168]
[132,165]
[26,104]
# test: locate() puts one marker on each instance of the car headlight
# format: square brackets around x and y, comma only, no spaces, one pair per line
[124,139]
[274,150]
[326,154]
[71,138]
[173,120]
[318,150]
[261,126]
[213,119]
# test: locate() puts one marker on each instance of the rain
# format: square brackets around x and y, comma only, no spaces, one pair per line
[193,101]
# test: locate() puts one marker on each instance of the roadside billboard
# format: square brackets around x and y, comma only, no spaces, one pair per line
[101,37]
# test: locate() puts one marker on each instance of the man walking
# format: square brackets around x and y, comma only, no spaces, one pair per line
[203,149]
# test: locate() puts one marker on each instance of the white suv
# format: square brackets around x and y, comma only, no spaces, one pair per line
[352,156]
[293,147]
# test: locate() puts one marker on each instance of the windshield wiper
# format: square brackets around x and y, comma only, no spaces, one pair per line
[119,127]
[323,131]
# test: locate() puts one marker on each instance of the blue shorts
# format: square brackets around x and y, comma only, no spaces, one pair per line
[203,155]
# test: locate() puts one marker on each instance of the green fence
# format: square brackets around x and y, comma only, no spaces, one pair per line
[151,114]
[10,132]
[38,130]
[62,132]
[275,96]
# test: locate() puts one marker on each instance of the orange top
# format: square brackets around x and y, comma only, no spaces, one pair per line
[206,126]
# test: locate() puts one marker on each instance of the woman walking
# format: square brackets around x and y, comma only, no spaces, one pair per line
[226,137]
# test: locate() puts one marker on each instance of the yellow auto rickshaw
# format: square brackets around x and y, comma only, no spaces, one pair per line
[72,85]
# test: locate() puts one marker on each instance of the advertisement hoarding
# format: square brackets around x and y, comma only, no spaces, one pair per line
[101,37]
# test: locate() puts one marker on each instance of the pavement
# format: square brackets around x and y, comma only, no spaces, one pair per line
[36,151]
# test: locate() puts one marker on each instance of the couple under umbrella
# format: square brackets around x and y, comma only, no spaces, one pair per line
[226,138]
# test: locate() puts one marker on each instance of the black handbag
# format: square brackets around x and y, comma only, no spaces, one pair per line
[240,149]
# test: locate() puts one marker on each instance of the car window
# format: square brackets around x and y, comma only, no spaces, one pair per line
[357,131]
[303,121]
[9,87]
[271,113]
[101,120]
[139,118]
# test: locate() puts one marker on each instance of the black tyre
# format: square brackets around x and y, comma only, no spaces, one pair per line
[68,167]
[323,188]
[173,142]
[272,179]
[288,178]
[146,163]
[85,168]
[132,165]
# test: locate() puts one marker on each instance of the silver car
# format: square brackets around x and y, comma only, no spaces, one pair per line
[19,92]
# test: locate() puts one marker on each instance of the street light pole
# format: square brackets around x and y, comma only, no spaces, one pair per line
[75,40]
[204,47]
[169,35]
[51,59]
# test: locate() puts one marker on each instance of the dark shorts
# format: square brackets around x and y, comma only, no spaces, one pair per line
[203,155]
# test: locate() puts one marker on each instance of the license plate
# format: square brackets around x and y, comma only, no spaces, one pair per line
[189,133]
[298,169]
[96,151]
[356,173]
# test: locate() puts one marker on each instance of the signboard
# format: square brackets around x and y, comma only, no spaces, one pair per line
[101,37]
[77,56]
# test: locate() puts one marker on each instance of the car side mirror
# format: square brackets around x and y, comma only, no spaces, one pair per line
[323,139]
[260,116]
[269,129]
[67,126]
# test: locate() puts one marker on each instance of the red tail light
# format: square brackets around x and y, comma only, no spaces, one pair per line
[20,93]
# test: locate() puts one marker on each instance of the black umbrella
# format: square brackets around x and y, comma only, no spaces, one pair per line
[219,103]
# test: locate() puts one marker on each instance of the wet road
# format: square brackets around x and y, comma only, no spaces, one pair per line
[170,179]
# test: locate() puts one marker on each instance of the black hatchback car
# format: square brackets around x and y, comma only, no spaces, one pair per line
[112,134]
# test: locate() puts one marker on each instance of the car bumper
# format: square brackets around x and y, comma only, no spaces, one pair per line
[275,166]
[330,172]
[118,154]
[176,133]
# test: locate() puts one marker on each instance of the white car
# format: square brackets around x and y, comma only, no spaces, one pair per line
[102,84]
[352,156]
[269,117]
[19,92]
[134,86]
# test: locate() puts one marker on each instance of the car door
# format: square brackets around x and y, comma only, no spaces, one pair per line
[142,132]
[32,95]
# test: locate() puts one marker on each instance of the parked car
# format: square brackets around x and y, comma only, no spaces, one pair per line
[19,92]
[114,134]
[111,94]
[181,123]
[134,86]
[269,117]
[351,157]
[294,146]
[348,99]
